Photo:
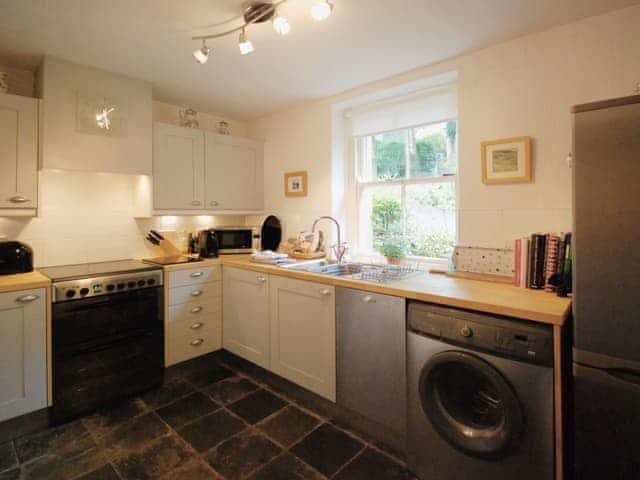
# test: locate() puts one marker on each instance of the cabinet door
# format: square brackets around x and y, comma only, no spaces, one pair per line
[178,168]
[234,173]
[23,346]
[245,329]
[303,334]
[18,151]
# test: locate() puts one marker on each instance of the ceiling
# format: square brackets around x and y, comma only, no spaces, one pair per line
[363,41]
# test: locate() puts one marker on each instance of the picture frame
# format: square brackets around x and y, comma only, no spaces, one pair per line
[507,160]
[295,184]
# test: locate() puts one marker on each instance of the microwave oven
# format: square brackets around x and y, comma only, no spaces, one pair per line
[237,239]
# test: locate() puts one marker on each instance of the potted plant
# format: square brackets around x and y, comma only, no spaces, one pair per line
[393,247]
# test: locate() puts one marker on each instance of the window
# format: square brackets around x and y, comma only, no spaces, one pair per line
[406,190]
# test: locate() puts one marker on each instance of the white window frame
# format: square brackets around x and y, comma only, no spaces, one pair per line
[358,153]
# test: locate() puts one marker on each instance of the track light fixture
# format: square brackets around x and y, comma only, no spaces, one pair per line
[259,12]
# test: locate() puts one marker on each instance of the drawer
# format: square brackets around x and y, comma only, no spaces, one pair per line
[195,311]
[195,276]
[195,293]
[184,343]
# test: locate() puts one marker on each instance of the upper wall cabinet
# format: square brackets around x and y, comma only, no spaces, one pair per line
[198,171]
[18,153]
[72,95]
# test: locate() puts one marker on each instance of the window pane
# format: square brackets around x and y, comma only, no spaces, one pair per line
[431,219]
[434,150]
[381,217]
[388,155]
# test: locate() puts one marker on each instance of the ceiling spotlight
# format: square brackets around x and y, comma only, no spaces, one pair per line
[281,25]
[244,44]
[202,54]
[321,10]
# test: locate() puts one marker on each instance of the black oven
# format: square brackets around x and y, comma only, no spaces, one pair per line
[106,347]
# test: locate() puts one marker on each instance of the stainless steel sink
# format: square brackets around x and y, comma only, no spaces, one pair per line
[360,271]
[324,267]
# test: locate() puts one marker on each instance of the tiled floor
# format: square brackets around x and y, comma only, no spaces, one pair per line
[216,417]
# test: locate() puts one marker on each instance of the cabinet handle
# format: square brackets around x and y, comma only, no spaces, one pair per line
[196,202]
[368,299]
[325,292]
[196,309]
[213,203]
[196,293]
[261,279]
[18,199]
[27,298]
[197,342]
[196,274]
[196,326]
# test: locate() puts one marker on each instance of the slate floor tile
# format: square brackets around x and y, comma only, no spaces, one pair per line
[13,474]
[8,458]
[107,419]
[157,458]
[63,441]
[106,472]
[235,458]
[231,389]
[373,464]
[256,406]
[187,409]
[133,435]
[201,376]
[287,467]
[327,449]
[289,425]
[170,391]
[196,470]
[54,467]
[208,431]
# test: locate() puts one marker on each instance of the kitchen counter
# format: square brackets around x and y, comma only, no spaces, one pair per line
[23,281]
[496,298]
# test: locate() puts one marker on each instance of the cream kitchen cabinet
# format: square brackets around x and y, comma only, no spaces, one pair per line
[233,173]
[23,347]
[246,314]
[194,313]
[18,154]
[303,334]
[178,168]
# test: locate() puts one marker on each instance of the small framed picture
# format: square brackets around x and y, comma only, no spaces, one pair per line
[506,161]
[295,184]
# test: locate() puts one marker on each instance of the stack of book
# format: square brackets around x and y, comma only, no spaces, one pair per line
[539,257]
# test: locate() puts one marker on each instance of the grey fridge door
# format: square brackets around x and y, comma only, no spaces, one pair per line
[606,189]
[606,423]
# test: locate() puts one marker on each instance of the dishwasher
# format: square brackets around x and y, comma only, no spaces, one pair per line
[371,362]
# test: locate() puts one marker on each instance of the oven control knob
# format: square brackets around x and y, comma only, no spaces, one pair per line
[151,281]
[110,287]
[141,283]
[131,284]
[466,332]
[70,293]
[120,286]
[84,291]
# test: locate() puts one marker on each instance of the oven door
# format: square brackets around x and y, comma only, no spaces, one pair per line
[238,240]
[106,348]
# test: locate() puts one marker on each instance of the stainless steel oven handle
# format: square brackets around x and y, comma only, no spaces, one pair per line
[27,298]
[197,342]
[196,293]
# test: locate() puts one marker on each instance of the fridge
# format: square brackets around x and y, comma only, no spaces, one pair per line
[606,286]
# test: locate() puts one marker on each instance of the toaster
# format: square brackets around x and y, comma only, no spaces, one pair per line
[15,257]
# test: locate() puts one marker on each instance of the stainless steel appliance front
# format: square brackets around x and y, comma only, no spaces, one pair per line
[237,239]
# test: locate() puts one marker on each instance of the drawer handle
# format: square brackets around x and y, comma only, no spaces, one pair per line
[196,326]
[196,274]
[368,299]
[196,293]
[196,309]
[214,203]
[261,279]
[27,298]
[325,292]
[18,199]
[197,342]
[196,202]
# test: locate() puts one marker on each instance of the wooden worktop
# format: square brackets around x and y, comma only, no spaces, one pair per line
[497,298]
[23,281]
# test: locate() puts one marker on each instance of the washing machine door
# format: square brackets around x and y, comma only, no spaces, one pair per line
[471,405]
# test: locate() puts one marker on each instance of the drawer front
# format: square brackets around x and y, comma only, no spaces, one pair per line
[195,293]
[195,276]
[185,342]
[194,312]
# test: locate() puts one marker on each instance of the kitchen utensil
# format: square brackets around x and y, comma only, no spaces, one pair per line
[153,239]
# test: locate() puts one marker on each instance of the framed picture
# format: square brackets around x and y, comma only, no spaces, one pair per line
[506,161]
[295,184]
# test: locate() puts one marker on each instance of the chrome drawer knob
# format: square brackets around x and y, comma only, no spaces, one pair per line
[196,274]
[325,292]
[19,199]
[214,203]
[27,298]
[196,293]
[196,326]
[196,309]
[197,342]
[368,299]
[261,279]
[196,202]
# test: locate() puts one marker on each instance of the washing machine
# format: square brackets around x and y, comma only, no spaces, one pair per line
[480,396]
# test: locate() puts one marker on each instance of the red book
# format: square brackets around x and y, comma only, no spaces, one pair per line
[517,262]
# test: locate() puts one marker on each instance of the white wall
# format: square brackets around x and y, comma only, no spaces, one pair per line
[524,86]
